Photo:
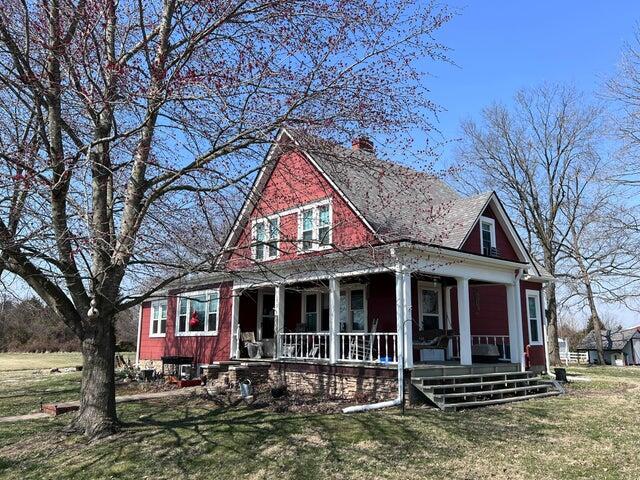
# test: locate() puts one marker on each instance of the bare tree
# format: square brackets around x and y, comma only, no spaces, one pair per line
[599,257]
[529,154]
[122,119]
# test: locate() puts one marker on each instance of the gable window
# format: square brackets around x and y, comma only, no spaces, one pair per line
[266,238]
[314,227]
[158,327]
[198,313]
[534,317]
[488,236]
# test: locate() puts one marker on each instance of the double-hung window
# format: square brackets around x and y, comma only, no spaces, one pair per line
[158,327]
[198,313]
[315,311]
[266,238]
[315,227]
[487,236]
[535,317]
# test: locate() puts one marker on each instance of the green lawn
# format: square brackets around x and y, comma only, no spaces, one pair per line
[594,432]
[37,361]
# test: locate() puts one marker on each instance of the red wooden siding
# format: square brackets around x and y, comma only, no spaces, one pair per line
[504,246]
[205,349]
[293,183]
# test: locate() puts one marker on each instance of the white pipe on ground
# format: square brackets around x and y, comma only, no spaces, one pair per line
[372,406]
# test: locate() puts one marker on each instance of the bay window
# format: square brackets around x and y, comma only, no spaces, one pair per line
[198,313]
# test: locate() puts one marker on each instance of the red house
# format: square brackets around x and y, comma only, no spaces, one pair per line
[341,267]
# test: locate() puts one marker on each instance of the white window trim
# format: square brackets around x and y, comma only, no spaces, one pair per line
[492,222]
[259,316]
[346,289]
[536,295]
[187,296]
[422,285]
[315,237]
[155,304]
[267,237]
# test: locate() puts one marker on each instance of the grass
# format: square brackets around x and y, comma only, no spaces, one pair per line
[590,433]
[31,361]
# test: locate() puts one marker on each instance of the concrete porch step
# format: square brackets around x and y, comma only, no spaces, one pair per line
[497,401]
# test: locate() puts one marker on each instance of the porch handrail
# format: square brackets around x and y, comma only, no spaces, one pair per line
[500,341]
[305,345]
[378,347]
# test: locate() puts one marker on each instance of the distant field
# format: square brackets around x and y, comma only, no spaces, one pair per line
[39,361]
[36,361]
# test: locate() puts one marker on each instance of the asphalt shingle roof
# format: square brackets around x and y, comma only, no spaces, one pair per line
[611,340]
[397,201]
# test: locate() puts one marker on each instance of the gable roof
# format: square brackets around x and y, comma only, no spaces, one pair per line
[395,202]
[611,340]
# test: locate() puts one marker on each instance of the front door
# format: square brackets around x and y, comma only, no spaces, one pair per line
[430,308]
[266,315]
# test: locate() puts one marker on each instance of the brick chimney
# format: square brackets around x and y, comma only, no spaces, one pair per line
[362,143]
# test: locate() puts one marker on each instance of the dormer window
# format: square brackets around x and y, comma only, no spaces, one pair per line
[488,236]
[314,227]
[266,238]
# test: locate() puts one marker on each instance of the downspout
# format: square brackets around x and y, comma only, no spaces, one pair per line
[523,362]
[138,340]
[400,347]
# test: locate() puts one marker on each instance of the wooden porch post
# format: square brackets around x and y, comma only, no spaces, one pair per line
[334,319]
[235,324]
[515,342]
[407,319]
[279,319]
[464,321]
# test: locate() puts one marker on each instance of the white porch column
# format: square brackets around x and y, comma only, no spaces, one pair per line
[515,340]
[449,323]
[408,319]
[464,320]
[400,312]
[279,319]
[235,325]
[520,333]
[334,319]
[543,314]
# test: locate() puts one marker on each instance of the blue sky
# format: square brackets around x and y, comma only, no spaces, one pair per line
[502,46]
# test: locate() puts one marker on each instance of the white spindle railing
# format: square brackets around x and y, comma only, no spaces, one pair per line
[308,345]
[501,341]
[574,357]
[379,347]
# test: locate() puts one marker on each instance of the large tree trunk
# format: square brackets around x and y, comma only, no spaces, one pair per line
[552,325]
[595,322]
[97,415]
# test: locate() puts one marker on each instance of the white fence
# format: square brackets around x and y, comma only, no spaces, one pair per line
[574,357]
[368,347]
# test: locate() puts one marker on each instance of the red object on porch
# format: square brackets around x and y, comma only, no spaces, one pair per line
[194,321]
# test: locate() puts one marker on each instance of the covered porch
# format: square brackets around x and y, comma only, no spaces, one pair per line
[357,319]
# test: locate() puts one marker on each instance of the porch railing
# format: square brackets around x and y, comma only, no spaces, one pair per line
[500,341]
[368,347]
[308,345]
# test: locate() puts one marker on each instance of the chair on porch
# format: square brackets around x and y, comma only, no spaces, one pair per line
[434,343]
[359,348]
[249,345]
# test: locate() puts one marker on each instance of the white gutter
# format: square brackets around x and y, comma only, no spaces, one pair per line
[523,363]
